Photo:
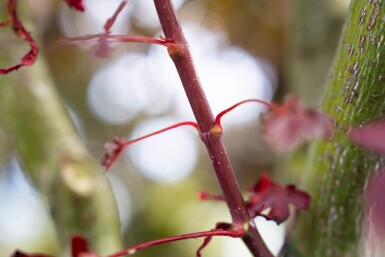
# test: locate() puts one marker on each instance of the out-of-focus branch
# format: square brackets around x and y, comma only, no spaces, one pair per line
[34,117]
[312,37]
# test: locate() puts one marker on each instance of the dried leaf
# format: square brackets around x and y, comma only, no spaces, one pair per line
[112,150]
[293,124]
[268,194]
[370,136]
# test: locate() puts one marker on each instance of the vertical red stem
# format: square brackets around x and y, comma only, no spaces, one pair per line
[180,54]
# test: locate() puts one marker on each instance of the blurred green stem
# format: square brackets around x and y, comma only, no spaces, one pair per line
[34,117]
[312,36]
[337,170]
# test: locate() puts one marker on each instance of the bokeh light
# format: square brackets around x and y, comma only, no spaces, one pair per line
[167,157]
[24,219]
[75,24]
[228,75]
[147,82]
[118,91]
[123,200]
[145,13]
[272,234]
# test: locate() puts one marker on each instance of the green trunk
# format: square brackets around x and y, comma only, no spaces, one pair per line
[337,171]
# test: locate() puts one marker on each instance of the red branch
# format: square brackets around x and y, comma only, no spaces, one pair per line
[181,56]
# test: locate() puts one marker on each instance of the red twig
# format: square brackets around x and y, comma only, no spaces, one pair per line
[208,196]
[111,21]
[273,107]
[102,40]
[211,233]
[184,123]
[94,39]
[114,148]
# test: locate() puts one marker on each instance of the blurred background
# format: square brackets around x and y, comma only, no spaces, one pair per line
[242,49]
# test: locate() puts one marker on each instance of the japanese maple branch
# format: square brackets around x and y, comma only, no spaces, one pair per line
[180,54]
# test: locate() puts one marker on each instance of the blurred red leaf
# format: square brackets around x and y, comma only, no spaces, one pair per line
[30,57]
[370,136]
[375,203]
[268,194]
[289,124]
[78,245]
[79,248]
[76,4]
[102,48]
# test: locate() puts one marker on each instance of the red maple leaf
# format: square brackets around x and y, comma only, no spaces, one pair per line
[289,124]
[371,136]
[77,4]
[268,194]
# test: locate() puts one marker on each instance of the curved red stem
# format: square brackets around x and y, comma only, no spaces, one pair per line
[115,147]
[184,123]
[273,107]
[211,233]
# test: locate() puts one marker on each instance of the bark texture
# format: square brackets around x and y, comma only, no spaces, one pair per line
[337,171]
